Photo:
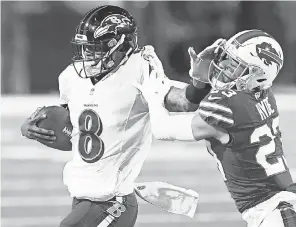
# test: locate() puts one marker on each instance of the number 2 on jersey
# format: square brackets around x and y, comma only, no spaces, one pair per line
[263,151]
[269,148]
[90,145]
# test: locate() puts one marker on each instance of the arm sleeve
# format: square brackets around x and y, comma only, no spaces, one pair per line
[196,95]
[170,127]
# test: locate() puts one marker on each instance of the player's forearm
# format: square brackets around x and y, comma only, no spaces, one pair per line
[182,126]
[176,101]
[186,99]
[170,127]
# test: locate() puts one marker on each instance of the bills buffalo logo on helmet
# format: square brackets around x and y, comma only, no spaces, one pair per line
[112,24]
[268,54]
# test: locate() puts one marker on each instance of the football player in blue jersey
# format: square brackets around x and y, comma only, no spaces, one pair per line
[239,121]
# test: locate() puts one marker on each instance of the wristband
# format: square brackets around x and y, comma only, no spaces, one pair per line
[196,95]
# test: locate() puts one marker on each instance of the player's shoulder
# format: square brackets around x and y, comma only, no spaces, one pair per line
[138,57]
[138,64]
[271,97]
[227,108]
[67,73]
[236,109]
[221,96]
[216,110]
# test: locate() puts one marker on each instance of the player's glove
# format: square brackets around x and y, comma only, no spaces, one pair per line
[154,88]
[30,129]
[155,85]
[199,63]
[149,55]
[210,51]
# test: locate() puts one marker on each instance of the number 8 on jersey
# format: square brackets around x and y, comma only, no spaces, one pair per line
[91,146]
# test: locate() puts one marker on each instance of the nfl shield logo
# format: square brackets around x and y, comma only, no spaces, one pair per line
[92,91]
[257,95]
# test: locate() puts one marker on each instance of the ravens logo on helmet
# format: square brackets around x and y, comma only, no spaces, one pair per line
[104,39]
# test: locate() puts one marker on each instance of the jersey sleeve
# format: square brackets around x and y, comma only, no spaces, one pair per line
[215,110]
[144,70]
[64,86]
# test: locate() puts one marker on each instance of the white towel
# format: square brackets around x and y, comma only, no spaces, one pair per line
[168,197]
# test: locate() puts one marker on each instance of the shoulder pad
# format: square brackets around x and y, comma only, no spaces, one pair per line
[215,109]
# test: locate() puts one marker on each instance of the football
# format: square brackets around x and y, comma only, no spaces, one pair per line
[58,120]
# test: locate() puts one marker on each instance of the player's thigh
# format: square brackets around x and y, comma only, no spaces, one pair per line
[283,216]
[86,213]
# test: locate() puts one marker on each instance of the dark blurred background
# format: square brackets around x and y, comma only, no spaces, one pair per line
[35,44]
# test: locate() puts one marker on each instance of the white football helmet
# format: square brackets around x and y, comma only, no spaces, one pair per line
[250,59]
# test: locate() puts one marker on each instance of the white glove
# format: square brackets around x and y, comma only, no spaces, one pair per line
[150,56]
[156,85]
[153,88]
[199,63]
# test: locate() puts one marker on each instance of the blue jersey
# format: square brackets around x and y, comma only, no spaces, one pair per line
[254,154]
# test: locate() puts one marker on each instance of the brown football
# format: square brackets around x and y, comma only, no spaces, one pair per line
[58,120]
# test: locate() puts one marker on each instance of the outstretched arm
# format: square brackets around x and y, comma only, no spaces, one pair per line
[184,97]
[157,88]
[180,126]
[187,98]
[176,101]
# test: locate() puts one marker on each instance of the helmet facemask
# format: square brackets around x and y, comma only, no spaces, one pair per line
[227,71]
[99,58]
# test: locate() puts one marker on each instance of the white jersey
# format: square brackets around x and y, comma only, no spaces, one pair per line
[111,131]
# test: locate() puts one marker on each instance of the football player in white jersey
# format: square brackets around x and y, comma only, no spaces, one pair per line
[111,124]
[239,120]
